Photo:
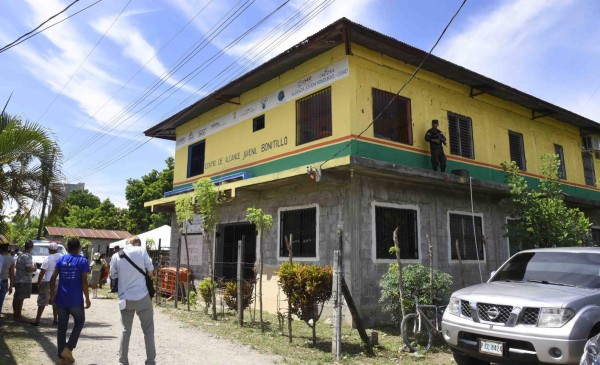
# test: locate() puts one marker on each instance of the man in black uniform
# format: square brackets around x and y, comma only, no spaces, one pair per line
[436,138]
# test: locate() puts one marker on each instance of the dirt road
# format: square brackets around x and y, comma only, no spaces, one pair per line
[99,341]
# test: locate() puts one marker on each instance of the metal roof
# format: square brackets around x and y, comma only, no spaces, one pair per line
[106,234]
[347,32]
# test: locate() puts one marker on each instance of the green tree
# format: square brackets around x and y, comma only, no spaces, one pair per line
[184,211]
[92,213]
[207,204]
[541,217]
[149,187]
[30,163]
[263,223]
[22,228]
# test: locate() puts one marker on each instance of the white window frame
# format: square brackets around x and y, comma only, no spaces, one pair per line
[464,261]
[317,232]
[374,258]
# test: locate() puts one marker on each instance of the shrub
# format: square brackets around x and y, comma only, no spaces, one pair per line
[416,283]
[205,292]
[307,287]
[230,295]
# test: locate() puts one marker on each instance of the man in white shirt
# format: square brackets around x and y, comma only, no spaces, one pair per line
[134,297]
[47,269]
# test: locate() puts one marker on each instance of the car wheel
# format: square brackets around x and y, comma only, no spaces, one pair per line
[466,360]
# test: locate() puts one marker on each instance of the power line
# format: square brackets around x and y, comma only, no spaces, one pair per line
[401,88]
[38,27]
[84,60]
[143,66]
[131,149]
[223,23]
[6,48]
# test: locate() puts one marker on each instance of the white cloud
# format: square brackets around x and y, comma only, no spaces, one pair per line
[135,46]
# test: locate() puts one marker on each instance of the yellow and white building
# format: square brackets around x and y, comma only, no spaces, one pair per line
[315,107]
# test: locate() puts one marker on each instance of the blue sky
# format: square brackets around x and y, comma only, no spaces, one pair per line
[99,108]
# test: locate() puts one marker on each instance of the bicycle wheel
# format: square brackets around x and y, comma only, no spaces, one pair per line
[417,336]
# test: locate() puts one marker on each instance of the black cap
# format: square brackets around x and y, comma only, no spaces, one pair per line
[435,121]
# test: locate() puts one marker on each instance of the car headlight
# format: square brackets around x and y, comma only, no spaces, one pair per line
[453,306]
[554,317]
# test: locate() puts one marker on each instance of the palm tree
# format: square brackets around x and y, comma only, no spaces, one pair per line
[30,162]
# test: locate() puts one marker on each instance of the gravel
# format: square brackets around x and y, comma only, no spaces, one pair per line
[176,343]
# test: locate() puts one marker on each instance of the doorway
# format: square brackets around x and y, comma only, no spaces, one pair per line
[226,251]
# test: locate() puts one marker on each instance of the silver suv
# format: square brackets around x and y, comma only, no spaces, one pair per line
[541,305]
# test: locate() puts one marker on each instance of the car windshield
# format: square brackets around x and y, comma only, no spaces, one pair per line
[554,268]
[44,251]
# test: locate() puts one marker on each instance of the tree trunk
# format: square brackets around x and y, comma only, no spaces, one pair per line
[177,268]
[314,333]
[187,275]
[260,280]
[430,253]
[400,279]
[290,245]
[212,277]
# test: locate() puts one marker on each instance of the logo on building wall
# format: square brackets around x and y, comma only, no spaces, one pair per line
[263,102]
[280,95]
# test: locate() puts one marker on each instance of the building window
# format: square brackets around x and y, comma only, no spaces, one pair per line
[258,123]
[596,236]
[562,172]
[313,117]
[196,159]
[461,135]
[302,225]
[462,237]
[588,168]
[386,221]
[517,149]
[393,123]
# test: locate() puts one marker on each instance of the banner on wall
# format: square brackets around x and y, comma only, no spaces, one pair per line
[308,84]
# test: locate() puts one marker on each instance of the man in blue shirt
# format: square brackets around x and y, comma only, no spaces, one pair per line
[73,270]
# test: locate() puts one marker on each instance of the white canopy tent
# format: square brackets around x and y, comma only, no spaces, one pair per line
[151,238]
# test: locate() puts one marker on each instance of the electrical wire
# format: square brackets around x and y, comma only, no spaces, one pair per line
[134,148]
[84,61]
[38,27]
[6,48]
[198,46]
[412,76]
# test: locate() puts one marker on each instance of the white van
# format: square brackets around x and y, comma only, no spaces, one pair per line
[41,250]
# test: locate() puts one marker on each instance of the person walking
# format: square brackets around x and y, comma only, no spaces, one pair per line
[6,273]
[114,282]
[104,271]
[47,269]
[72,269]
[23,269]
[133,296]
[436,140]
[96,271]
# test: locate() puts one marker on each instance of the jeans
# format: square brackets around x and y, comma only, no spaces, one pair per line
[64,313]
[145,312]
[3,291]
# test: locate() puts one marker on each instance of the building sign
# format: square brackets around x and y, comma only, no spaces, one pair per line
[308,84]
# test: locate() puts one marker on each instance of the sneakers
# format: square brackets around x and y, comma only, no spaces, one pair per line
[67,355]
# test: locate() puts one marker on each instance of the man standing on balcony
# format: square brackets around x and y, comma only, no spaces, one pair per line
[436,140]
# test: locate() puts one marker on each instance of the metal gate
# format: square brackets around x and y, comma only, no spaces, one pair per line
[226,250]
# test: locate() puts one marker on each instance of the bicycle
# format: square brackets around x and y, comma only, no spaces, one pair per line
[418,329]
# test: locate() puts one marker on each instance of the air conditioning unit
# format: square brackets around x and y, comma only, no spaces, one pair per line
[591,143]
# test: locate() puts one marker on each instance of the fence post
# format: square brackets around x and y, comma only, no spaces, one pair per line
[336,342]
[240,283]
[158,263]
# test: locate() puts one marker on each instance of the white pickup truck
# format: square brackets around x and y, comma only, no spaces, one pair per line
[39,254]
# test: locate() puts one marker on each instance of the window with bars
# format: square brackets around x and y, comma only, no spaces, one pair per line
[386,221]
[196,159]
[463,239]
[562,172]
[302,224]
[461,135]
[517,149]
[395,121]
[258,123]
[313,117]
[596,236]
[588,168]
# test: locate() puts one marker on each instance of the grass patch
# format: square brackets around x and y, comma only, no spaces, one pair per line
[301,351]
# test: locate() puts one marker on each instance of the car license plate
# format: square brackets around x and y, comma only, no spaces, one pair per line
[491,347]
